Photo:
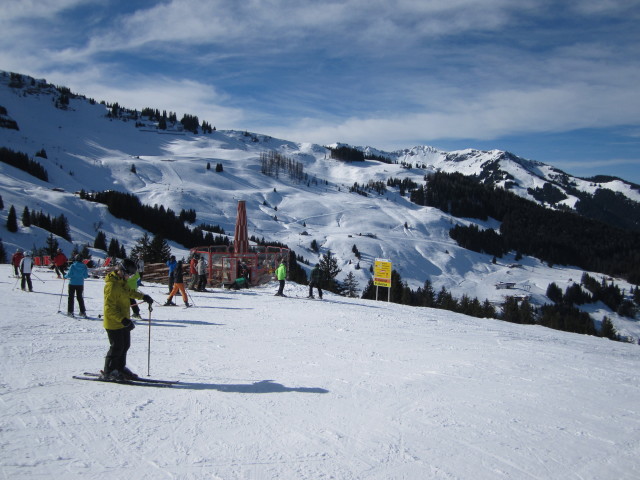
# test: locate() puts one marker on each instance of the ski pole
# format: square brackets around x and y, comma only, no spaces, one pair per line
[34,275]
[16,284]
[190,297]
[61,293]
[149,345]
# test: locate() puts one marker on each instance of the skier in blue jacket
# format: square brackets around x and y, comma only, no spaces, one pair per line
[171,263]
[76,275]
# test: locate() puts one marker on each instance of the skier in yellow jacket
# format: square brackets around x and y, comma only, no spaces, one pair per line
[117,321]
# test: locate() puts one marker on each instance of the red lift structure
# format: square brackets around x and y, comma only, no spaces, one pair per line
[225,264]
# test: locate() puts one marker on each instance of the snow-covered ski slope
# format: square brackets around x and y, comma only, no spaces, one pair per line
[293,388]
[86,150]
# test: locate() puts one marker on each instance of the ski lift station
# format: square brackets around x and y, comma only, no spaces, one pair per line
[225,264]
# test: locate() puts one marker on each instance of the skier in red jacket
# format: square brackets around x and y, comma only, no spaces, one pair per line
[60,263]
[15,261]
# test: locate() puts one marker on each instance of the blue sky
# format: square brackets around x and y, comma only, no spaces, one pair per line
[554,81]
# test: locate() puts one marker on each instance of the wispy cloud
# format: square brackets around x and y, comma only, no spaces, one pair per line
[360,71]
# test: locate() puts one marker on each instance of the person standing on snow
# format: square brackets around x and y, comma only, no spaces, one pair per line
[117,322]
[16,258]
[171,263]
[281,275]
[178,285]
[60,263]
[316,281]
[140,265]
[193,271]
[26,265]
[133,281]
[202,274]
[76,275]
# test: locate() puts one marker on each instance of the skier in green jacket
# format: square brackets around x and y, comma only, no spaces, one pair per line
[117,321]
[281,275]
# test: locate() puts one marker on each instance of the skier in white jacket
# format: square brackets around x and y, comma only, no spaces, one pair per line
[26,265]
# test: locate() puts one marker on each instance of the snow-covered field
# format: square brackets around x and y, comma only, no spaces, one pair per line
[292,388]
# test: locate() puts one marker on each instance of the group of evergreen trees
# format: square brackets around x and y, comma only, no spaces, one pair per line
[557,237]
[346,154]
[156,219]
[609,207]
[24,163]
[7,122]
[190,123]
[426,296]
[151,250]
[155,115]
[56,225]
[374,186]
[595,291]
[404,185]
[113,250]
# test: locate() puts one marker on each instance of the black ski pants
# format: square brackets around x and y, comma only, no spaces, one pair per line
[119,341]
[316,285]
[76,290]
[26,279]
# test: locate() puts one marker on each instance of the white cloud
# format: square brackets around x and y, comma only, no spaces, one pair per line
[487,116]
[358,70]
[14,10]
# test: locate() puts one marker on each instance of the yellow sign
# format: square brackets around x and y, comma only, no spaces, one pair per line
[382,273]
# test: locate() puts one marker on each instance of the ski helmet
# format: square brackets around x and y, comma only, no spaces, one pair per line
[128,266]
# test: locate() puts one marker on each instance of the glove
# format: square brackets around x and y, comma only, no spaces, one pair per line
[128,324]
[147,299]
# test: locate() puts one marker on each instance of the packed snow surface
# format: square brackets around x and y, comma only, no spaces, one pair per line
[294,388]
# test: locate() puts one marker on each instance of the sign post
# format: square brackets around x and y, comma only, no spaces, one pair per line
[382,275]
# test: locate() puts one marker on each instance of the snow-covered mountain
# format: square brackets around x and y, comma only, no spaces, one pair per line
[87,149]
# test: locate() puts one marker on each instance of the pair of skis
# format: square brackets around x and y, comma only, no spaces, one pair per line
[140,381]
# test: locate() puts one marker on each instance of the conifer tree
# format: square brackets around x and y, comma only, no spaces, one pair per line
[52,245]
[3,253]
[114,248]
[100,241]
[554,293]
[608,330]
[26,217]
[329,269]
[142,248]
[427,294]
[159,250]
[12,221]
[351,285]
